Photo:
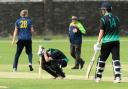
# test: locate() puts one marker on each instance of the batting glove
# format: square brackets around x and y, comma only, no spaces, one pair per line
[97,47]
[40,51]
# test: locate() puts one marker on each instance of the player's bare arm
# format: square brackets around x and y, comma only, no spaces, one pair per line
[100,35]
[46,57]
[14,35]
[32,29]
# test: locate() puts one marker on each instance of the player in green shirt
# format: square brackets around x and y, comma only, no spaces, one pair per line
[53,61]
[109,38]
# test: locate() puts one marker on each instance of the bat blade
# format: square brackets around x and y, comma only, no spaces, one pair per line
[89,68]
[39,71]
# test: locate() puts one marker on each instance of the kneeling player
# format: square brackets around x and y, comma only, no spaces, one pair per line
[53,60]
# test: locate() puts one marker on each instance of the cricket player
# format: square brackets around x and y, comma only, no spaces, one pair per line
[24,29]
[76,30]
[53,60]
[109,33]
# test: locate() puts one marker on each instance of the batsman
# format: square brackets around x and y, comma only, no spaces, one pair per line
[109,33]
[52,61]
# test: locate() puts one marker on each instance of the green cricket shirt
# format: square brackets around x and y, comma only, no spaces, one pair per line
[57,54]
[110,24]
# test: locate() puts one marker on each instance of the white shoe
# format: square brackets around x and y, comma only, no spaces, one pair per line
[117,80]
[98,79]
[14,70]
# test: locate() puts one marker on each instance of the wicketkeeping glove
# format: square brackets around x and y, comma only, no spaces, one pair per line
[97,47]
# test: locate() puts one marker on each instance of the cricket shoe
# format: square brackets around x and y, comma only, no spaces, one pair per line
[117,80]
[82,64]
[55,77]
[30,67]
[59,76]
[14,70]
[62,75]
[75,67]
[97,79]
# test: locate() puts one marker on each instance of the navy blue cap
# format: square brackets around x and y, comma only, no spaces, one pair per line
[106,5]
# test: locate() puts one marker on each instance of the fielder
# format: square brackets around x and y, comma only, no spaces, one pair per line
[53,60]
[76,30]
[24,29]
[109,33]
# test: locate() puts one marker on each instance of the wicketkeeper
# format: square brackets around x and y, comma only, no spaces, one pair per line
[53,60]
[109,33]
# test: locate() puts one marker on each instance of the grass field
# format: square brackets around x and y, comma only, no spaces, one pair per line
[75,79]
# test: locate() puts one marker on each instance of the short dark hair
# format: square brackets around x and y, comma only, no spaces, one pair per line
[109,10]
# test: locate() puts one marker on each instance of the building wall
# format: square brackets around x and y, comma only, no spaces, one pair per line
[9,13]
[87,12]
[21,0]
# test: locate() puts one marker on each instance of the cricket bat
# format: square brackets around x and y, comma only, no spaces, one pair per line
[39,72]
[90,65]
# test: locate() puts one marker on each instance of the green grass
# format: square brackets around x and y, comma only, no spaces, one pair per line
[7,53]
[58,84]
